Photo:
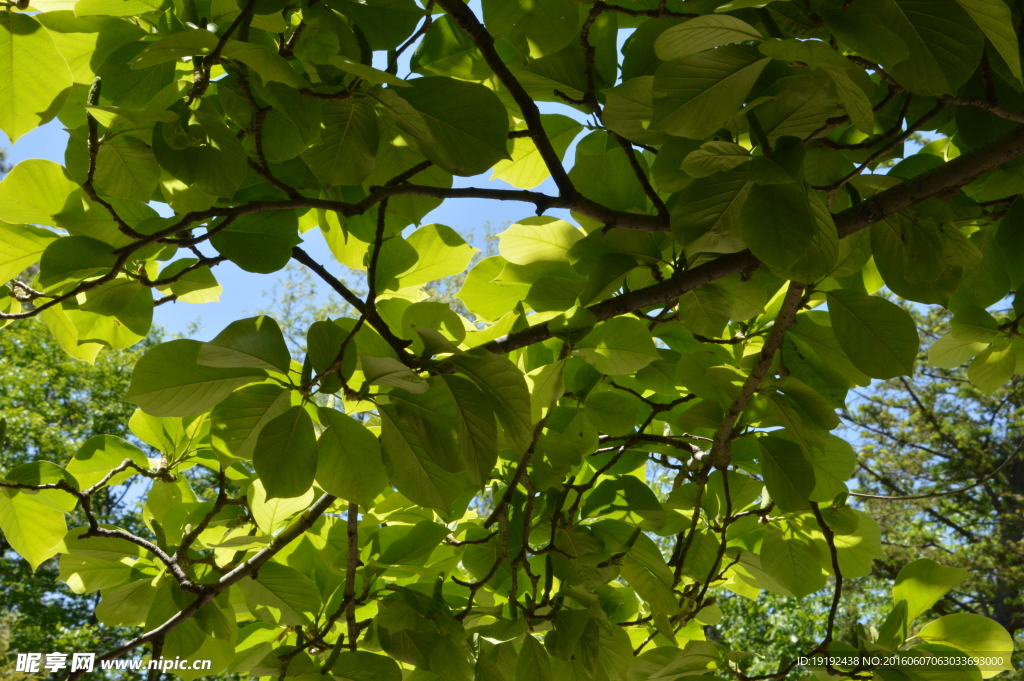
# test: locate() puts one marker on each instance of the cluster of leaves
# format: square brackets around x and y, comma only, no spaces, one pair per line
[709,310]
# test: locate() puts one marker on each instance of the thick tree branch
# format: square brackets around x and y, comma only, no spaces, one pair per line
[940,181]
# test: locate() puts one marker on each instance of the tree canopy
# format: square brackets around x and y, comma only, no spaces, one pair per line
[714,268]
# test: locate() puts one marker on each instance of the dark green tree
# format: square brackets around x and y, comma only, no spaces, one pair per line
[52,404]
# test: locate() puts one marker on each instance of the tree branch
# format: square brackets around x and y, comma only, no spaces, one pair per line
[468,22]
[209,592]
[721,450]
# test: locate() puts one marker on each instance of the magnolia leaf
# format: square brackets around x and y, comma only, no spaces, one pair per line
[285,456]
[703,33]
[349,463]
[879,338]
[169,381]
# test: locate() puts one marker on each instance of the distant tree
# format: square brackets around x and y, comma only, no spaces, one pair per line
[52,404]
[935,432]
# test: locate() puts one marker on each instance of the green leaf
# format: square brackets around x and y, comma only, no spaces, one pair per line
[286,595]
[466,124]
[114,8]
[822,250]
[168,435]
[196,286]
[696,95]
[390,372]
[791,563]
[175,46]
[101,454]
[879,338]
[814,53]
[34,191]
[535,29]
[86,575]
[866,34]
[994,18]
[803,104]
[46,473]
[127,169]
[714,157]
[270,66]
[385,23]
[834,464]
[349,463]
[324,340]
[506,389]
[974,635]
[974,324]
[213,162]
[644,569]
[236,422]
[126,605]
[537,239]
[66,335]
[854,99]
[285,457]
[788,475]
[368,73]
[611,412]
[945,44]
[547,385]
[525,168]
[604,174]
[32,527]
[487,298]
[629,108]
[948,352]
[705,311]
[85,43]
[415,543]
[703,33]
[260,242]
[442,253]
[270,514]
[446,50]
[34,77]
[360,665]
[993,368]
[128,305]
[168,381]
[348,144]
[74,258]
[477,435]
[858,550]
[256,342]
[20,247]
[533,663]
[618,346]
[922,583]
[410,467]
[102,548]
[777,223]
[706,216]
